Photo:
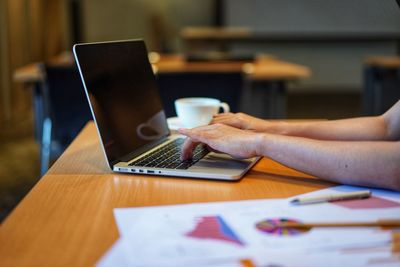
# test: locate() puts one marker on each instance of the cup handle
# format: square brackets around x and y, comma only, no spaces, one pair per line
[145,137]
[225,107]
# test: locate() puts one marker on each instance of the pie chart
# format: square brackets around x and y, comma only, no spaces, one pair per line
[271,227]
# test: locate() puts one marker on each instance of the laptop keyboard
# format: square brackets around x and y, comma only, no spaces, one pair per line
[169,156]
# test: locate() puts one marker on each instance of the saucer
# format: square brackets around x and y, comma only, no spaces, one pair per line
[174,123]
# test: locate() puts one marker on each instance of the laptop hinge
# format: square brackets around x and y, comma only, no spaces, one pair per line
[140,151]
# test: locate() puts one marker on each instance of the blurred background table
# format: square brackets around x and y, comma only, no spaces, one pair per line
[265,69]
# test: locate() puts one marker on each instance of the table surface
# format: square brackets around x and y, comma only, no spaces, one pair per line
[383,61]
[267,68]
[216,33]
[67,218]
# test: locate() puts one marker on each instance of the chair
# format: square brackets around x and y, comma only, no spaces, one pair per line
[381,85]
[226,87]
[66,110]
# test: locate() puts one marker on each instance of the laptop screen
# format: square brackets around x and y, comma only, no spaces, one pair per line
[123,95]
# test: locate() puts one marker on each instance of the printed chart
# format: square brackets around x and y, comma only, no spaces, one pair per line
[225,232]
[214,227]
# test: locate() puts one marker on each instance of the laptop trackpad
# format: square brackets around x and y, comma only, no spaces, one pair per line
[221,161]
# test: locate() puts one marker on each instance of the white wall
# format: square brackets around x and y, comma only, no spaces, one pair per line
[315,16]
[335,66]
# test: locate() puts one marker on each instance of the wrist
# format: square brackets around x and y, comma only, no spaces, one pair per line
[277,127]
[261,140]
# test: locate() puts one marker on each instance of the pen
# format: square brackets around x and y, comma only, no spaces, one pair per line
[331,197]
[380,223]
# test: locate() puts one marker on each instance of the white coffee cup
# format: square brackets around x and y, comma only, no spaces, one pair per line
[198,111]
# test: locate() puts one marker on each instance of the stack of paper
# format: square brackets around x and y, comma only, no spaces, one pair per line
[241,233]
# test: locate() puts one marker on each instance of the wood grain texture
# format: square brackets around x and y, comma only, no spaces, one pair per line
[383,61]
[67,218]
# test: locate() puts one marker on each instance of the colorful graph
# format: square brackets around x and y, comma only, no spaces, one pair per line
[369,203]
[271,227]
[214,227]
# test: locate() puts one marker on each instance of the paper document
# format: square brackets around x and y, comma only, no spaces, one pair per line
[226,233]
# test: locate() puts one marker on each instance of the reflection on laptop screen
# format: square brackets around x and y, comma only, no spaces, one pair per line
[123,94]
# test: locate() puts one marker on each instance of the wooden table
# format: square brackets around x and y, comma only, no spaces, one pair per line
[262,68]
[383,61]
[67,218]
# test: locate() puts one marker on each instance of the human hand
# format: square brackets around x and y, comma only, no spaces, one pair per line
[241,121]
[222,138]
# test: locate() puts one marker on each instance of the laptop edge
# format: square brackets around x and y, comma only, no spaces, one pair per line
[212,166]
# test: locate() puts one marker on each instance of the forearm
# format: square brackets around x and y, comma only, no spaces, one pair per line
[368,128]
[375,164]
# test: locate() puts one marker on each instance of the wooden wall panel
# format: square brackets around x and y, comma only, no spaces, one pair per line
[5,111]
[36,22]
[54,43]
[18,56]
[32,31]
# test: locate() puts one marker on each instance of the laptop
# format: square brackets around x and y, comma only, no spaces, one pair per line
[123,96]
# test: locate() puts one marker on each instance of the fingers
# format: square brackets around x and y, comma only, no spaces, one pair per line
[189,145]
[222,116]
[218,115]
[212,149]
[227,119]
[195,137]
[196,134]
[185,131]
[219,138]
[188,148]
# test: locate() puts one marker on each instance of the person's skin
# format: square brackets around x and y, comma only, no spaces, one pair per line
[359,151]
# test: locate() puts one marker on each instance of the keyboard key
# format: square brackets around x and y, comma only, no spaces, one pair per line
[169,156]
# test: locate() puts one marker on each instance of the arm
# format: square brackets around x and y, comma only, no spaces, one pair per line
[384,127]
[366,163]
[361,163]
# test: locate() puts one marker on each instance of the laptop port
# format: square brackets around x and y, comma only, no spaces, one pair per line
[150,171]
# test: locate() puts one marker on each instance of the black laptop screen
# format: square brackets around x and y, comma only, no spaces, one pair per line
[123,95]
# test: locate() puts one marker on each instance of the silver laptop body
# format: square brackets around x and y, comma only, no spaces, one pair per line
[123,96]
